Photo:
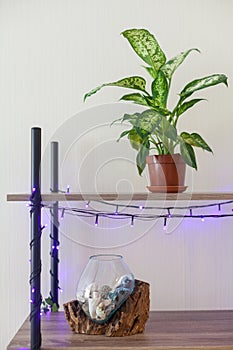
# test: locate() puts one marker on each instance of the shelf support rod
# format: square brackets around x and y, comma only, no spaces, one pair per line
[54,229]
[35,244]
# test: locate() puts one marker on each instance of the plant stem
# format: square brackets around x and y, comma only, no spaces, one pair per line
[157,145]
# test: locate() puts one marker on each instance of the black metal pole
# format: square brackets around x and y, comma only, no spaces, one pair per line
[35,245]
[54,226]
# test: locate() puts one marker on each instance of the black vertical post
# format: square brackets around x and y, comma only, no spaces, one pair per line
[35,245]
[54,226]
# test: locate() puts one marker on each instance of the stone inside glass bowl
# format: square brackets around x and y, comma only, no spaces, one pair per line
[105,284]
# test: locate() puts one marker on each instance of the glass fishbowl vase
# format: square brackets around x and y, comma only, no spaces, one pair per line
[105,284]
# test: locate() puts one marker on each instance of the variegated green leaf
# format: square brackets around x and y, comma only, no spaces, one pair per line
[135,82]
[158,109]
[196,140]
[150,101]
[186,105]
[124,133]
[168,130]
[151,71]
[170,66]
[135,139]
[146,47]
[145,132]
[131,118]
[141,156]
[188,154]
[203,83]
[136,98]
[160,89]
[148,120]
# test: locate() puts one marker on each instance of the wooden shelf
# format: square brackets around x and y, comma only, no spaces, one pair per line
[188,330]
[61,197]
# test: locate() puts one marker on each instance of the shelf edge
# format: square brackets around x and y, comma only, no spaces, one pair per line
[61,197]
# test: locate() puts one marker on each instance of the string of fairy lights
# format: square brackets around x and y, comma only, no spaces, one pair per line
[139,212]
[166,215]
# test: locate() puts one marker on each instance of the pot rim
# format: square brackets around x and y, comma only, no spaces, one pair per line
[165,158]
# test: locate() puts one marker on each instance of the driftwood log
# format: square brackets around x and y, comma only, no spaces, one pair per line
[129,319]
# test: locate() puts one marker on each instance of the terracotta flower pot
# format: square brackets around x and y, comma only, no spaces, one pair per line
[167,173]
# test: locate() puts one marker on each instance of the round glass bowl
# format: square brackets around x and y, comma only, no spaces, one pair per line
[105,284]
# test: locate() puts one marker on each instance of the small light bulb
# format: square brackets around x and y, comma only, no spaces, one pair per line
[132,221]
[165,224]
[116,211]
[96,220]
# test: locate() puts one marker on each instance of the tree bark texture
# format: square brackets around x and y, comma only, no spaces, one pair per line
[129,319]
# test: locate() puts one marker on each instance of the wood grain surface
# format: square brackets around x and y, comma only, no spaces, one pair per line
[61,197]
[171,330]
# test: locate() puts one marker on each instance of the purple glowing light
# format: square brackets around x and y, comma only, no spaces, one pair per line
[96,220]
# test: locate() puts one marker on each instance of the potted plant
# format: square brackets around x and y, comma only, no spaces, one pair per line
[156,128]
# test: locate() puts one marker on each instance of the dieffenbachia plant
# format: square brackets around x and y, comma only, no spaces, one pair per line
[156,127]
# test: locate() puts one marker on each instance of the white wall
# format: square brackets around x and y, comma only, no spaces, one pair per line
[51,53]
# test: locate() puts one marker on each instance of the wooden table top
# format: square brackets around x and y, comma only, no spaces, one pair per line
[170,330]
